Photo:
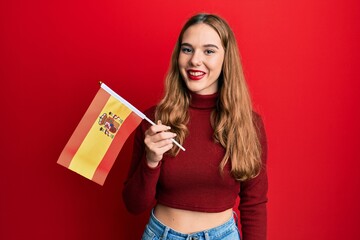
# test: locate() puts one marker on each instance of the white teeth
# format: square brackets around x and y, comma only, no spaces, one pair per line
[196,73]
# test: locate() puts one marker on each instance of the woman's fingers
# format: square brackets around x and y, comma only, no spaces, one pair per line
[158,133]
[158,140]
[157,128]
[159,137]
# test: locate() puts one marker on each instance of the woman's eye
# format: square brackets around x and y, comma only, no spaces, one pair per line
[186,50]
[209,51]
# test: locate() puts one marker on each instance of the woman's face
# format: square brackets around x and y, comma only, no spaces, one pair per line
[201,58]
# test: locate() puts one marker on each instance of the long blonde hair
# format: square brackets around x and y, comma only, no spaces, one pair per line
[232,119]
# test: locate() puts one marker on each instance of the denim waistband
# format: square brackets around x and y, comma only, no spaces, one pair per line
[164,232]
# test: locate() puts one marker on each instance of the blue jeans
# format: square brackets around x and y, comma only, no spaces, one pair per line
[155,230]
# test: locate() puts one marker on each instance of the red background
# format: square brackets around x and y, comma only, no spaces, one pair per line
[301,60]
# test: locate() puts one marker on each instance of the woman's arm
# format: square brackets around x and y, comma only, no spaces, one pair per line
[253,196]
[140,186]
[150,143]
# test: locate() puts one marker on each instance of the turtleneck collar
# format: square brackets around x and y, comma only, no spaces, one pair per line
[203,101]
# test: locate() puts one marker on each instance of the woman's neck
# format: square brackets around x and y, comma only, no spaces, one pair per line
[203,101]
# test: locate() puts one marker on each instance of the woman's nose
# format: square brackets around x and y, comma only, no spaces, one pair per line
[196,59]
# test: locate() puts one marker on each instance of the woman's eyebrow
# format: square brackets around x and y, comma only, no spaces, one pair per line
[186,44]
[205,45]
[211,45]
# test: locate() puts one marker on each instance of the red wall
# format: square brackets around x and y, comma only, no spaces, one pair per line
[301,59]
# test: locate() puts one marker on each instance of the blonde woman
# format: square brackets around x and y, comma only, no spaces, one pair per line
[207,109]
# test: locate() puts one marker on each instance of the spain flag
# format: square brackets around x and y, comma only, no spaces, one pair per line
[97,140]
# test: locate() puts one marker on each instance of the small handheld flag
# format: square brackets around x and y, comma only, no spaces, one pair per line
[93,147]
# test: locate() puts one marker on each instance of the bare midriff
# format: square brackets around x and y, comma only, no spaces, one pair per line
[185,221]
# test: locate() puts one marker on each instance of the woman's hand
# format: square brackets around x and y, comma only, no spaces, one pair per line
[157,141]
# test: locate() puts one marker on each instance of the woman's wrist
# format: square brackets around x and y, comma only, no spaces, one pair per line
[152,164]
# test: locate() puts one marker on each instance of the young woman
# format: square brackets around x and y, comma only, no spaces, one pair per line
[207,109]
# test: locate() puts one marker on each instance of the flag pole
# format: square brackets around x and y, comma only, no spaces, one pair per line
[134,109]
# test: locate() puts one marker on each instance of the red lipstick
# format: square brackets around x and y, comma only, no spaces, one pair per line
[195,74]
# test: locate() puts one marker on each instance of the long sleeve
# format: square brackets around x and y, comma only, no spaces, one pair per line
[253,196]
[140,186]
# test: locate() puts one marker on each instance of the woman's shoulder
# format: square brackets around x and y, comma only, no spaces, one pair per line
[150,111]
[150,114]
[257,118]
[258,122]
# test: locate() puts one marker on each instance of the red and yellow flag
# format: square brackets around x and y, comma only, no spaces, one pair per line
[92,149]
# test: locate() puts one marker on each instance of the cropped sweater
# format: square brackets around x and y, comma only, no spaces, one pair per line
[192,180]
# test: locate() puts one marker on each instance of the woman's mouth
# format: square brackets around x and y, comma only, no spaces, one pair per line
[195,74]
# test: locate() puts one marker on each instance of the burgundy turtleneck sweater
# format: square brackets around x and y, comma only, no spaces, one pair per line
[192,180]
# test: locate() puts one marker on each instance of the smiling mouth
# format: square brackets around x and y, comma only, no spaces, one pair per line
[195,75]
